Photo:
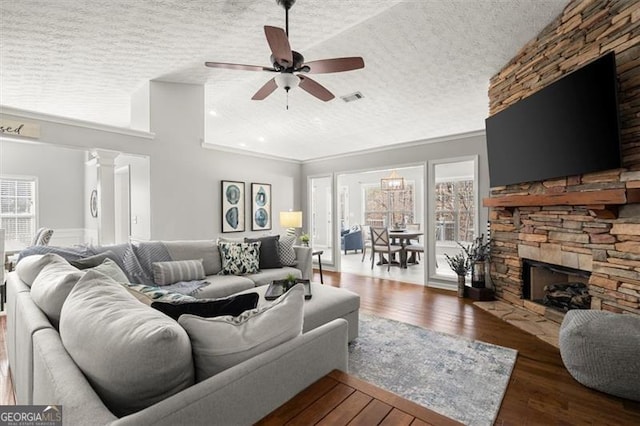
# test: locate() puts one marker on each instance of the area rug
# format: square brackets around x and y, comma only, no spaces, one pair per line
[459,378]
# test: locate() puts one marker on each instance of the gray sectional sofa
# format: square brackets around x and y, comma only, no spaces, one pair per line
[45,372]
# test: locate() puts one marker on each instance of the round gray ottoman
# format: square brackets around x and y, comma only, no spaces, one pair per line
[601,350]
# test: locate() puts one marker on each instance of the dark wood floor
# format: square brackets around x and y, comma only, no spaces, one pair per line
[541,391]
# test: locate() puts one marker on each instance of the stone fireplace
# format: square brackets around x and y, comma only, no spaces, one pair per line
[588,223]
[551,290]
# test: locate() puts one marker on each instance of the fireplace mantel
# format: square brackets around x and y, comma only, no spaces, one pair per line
[603,202]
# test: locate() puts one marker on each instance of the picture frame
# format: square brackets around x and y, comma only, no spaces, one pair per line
[261,219]
[232,206]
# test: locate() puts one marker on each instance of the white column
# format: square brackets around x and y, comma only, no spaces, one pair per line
[106,195]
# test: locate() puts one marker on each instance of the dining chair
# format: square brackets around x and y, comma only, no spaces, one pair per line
[415,245]
[366,240]
[380,244]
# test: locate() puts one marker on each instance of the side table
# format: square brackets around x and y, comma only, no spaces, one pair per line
[319,254]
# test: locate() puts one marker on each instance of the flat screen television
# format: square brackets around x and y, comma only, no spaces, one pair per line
[570,127]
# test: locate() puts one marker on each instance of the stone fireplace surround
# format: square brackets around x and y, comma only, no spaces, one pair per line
[554,224]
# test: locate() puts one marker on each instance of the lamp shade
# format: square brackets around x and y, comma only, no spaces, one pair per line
[291,219]
[287,80]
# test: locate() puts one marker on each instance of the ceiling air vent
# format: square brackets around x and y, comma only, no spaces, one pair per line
[352,97]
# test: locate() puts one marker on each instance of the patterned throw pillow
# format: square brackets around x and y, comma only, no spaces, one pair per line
[239,258]
[143,292]
[287,253]
[165,273]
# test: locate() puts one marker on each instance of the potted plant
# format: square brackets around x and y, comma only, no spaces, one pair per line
[460,265]
[290,280]
[304,238]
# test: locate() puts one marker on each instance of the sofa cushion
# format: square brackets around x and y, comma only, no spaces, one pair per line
[148,294]
[239,258]
[269,251]
[207,250]
[29,267]
[56,280]
[286,251]
[52,286]
[233,305]
[266,276]
[138,356]
[165,273]
[221,342]
[223,286]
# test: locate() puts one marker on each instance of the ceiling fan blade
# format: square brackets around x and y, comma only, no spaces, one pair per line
[324,66]
[237,66]
[265,90]
[279,45]
[314,88]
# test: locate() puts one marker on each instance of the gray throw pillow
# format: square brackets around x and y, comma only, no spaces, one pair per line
[165,273]
[269,251]
[52,286]
[222,342]
[132,355]
[29,267]
[286,251]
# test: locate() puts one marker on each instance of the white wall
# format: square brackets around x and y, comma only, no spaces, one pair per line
[60,195]
[139,169]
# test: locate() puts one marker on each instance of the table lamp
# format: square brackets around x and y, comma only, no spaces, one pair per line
[291,221]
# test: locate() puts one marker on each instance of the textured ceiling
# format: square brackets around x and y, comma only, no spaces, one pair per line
[427,64]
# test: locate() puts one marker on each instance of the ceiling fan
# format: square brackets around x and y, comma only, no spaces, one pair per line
[291,65]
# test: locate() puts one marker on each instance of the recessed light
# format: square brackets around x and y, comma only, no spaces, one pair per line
[213,113]
[261,139]
[242,144]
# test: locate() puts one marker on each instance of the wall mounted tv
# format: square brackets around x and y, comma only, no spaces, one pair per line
[570,127]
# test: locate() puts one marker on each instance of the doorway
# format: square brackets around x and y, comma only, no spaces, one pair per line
[122,204]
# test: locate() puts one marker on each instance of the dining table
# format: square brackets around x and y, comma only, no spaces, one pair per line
[403,237]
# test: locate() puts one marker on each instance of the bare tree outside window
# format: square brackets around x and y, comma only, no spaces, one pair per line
[385,208]
[455,211]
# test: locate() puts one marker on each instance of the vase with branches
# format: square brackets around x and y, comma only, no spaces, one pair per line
[478,253]
[460,264]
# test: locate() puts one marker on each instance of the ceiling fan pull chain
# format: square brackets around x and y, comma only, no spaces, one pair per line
[287,100]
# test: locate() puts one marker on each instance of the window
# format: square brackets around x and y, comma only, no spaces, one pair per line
[455,211]
[18,208]
[386,208]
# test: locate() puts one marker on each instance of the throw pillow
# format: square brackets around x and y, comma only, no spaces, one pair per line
[156,294]
[239,258]
[286,251]
[234,306]
[138,355]
[269,252]
[92,261]
[29,267]
[52,286]
[112,270]
[222,342]
[165,273]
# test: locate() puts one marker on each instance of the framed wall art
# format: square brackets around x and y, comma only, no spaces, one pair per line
[260,206]
[232,206]
[93,203]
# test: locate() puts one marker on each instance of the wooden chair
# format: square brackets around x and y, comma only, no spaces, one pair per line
[380,244]
[415,247]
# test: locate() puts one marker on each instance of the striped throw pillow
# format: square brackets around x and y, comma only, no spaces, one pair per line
[165,273]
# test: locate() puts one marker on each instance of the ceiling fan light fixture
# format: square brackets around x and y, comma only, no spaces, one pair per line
[287,80]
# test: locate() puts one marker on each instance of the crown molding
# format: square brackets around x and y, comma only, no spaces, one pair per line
[215,147]
[55,119]
[397,146]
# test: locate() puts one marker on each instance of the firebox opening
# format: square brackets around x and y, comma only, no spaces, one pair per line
[556,287]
